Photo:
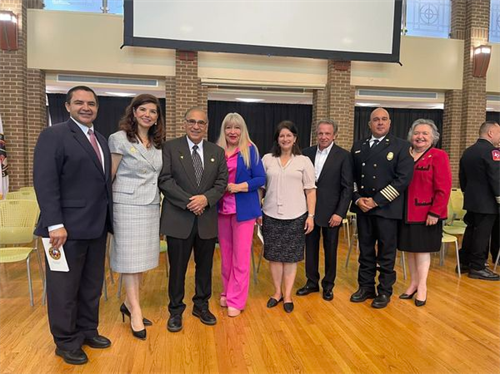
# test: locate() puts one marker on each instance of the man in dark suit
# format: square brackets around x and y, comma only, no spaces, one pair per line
[479,175]
[71,174]
[334,185]
[383,168]
[194,177]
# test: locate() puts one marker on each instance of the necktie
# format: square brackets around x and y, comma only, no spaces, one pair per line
[198,165]
[375,142]
[93,141]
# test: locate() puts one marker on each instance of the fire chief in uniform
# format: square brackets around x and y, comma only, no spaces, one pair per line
[479,176]
[383,168]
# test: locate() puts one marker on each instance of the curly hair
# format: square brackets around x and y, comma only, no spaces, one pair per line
[290,126]
[128,123]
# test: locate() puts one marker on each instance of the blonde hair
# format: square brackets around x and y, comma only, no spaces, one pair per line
[245,141]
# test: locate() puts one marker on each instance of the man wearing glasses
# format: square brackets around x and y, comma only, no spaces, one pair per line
[194,177]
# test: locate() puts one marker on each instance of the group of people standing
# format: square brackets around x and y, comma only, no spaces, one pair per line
[87,187]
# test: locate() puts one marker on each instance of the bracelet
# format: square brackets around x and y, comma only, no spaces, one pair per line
[311,215]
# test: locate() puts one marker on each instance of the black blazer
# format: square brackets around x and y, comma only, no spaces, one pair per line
[177,182]
[382,173]
[479,175]
[70,184]
[334,186]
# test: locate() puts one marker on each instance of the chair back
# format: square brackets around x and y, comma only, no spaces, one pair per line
[17,221]
[21,195]
[30,188]
[457,203]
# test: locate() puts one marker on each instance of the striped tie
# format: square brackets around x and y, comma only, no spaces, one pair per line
[93,142]
[198,165]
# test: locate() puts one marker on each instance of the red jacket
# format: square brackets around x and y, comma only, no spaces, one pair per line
[430,188]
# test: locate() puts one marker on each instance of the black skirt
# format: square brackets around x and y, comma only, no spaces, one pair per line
[284,240]
[419,238]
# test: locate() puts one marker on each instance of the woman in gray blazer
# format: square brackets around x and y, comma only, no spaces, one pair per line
[136,163]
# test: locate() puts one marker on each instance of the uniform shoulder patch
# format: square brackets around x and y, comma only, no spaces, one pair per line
[495,155]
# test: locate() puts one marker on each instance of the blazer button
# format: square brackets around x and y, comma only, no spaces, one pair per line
[374,165]
[373,189]
[374,177]
[363,164]
[362,175]
[362,187]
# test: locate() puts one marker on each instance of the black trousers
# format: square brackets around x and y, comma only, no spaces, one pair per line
[383,231]
[495,239]
[474,250]
[179,252]
[330,243]
[73,297]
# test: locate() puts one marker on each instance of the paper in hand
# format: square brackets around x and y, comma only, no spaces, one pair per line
[55,257]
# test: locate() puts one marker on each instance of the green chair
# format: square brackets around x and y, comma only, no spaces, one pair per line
[21,195]
[17,223]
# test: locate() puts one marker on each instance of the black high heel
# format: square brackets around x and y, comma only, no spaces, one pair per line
[420,302]
[138,334]
[405,296]
[125,312]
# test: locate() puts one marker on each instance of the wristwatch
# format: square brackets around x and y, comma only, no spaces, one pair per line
[311,215]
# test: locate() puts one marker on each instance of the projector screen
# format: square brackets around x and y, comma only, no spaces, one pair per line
[360,30]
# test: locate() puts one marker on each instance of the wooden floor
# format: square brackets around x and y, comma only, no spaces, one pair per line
[458,331]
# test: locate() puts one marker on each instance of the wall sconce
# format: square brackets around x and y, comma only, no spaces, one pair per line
[8,31]
[481,59]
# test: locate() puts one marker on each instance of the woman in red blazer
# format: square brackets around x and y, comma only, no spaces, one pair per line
[425,206]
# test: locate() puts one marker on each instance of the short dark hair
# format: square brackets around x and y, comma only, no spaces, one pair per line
[290,126]
[69,95]
[485,126]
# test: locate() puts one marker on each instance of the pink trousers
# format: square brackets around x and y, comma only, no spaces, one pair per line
[235,240]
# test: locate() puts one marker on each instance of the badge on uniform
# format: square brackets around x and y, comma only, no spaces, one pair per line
[390,156]
[132,150]
[495,154]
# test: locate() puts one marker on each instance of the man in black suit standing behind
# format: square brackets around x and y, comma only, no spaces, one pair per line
[193,178]
[71,174]
[334,186]
[383,168]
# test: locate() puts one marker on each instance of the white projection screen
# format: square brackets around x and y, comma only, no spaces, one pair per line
[361,30]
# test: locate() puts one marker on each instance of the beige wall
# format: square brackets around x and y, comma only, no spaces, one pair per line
[428,63]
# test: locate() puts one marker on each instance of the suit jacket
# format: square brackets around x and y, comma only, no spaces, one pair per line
[136,180]
[479,176]
[177,182]
[334,186]
[430,188]
[382,173]
[70,184]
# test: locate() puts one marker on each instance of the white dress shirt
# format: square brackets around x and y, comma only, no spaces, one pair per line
[372,139]
[320,160]
[199,150]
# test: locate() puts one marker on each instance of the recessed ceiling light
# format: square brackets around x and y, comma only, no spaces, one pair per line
[368,104]
[249,100]
[120,94]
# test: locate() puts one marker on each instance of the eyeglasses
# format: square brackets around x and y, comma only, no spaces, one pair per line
[192,122]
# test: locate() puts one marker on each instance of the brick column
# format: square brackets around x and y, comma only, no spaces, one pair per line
[341,100]
[170,120]
[186,86]
[451,136]
[22,99]
[474,89]
[320,111]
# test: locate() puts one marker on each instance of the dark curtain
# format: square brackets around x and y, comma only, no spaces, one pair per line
[401,120]
[261,120]
[111,110]
[493,116]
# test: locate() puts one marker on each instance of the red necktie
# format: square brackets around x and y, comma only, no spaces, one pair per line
[93,141]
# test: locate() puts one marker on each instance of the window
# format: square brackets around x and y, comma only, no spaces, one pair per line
[431,18]
[495,21]
[94,6]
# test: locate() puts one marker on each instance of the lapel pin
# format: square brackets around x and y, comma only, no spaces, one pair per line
[182,157]
[133,150]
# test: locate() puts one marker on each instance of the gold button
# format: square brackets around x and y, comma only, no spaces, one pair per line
[362,187]
[374,165]
[362,175]
[363,164]
[374,177]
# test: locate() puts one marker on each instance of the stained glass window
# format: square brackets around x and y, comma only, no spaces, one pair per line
[431,18]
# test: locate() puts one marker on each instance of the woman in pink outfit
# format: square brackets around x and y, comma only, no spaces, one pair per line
[238,210]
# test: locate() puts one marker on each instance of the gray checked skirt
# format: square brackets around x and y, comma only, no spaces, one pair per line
[284,240]
[136,242]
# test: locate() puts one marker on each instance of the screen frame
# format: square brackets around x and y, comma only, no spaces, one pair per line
[130,40]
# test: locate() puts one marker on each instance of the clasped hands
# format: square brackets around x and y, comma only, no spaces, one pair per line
[366,204]
[197,204]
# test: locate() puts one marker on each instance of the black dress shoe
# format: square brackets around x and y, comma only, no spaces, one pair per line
[381,301]
[406,296]
[307,289]
[125,312]
[485,274]
[174,323]
[272,302]
[328,295]
[98,341]
[141,334]
[205,316]
[74,357]
[288,307]
[420,302]
[363,294]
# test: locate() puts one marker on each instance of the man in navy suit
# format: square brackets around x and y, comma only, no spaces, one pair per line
[334,186]
[71,174]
